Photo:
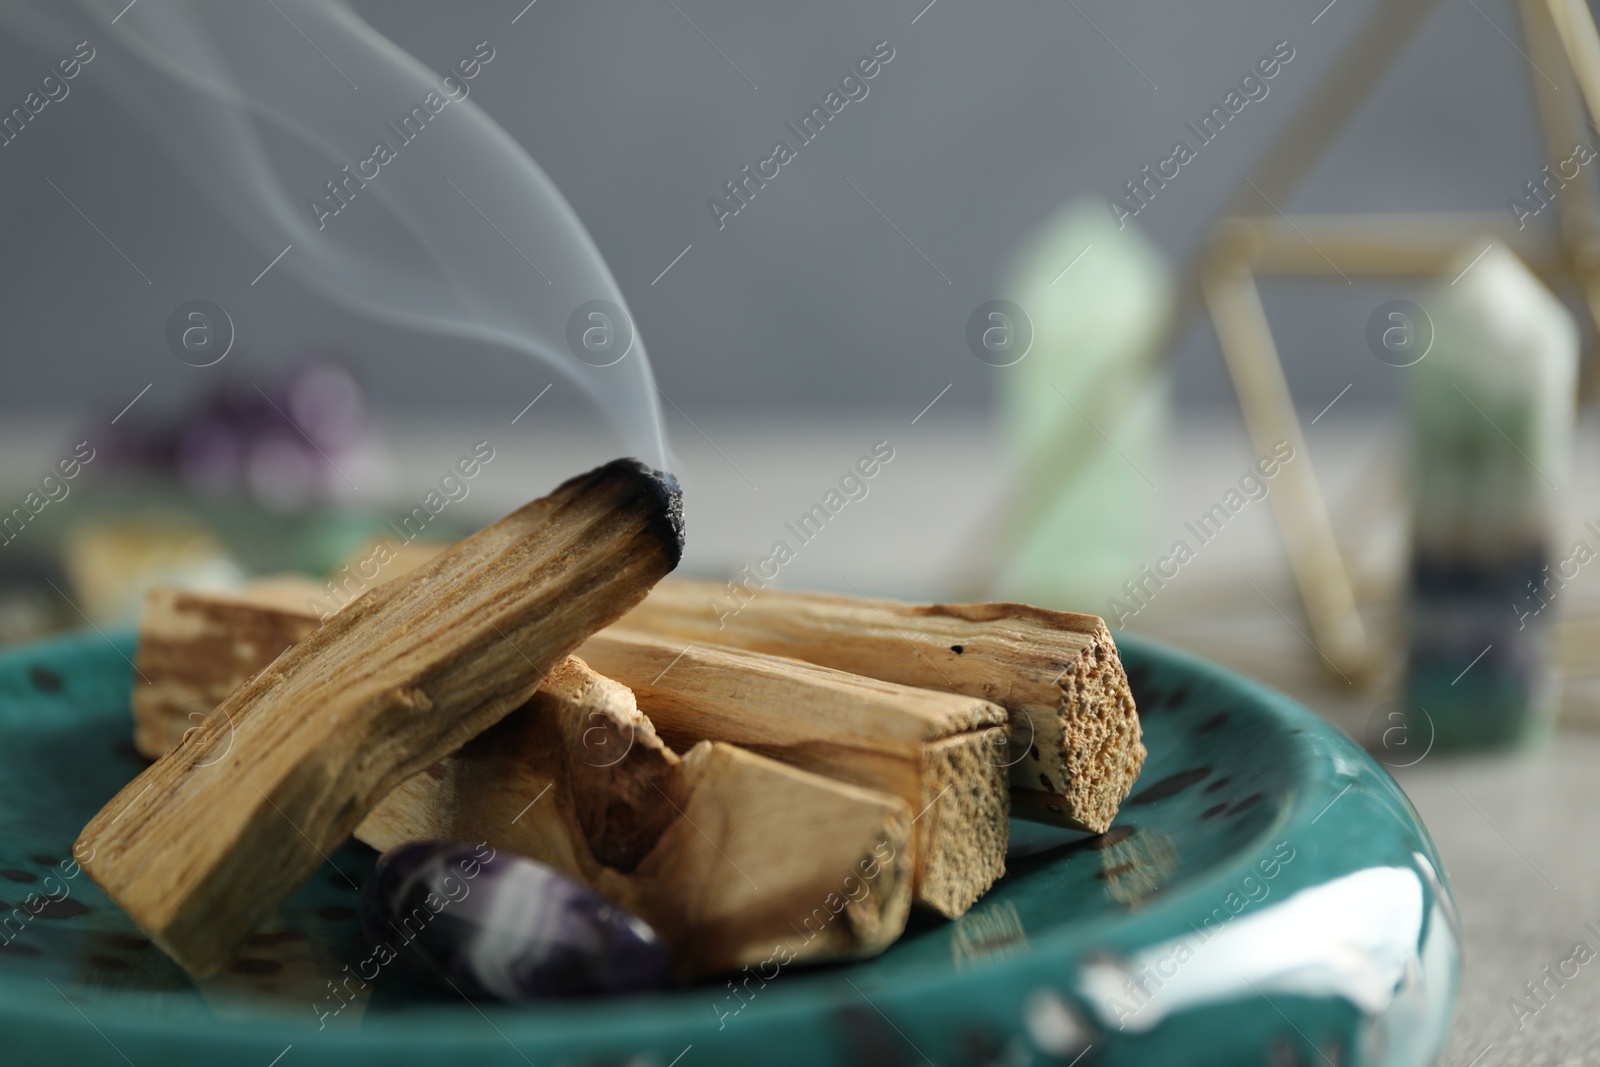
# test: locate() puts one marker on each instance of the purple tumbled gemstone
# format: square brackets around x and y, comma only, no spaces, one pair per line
[497,925]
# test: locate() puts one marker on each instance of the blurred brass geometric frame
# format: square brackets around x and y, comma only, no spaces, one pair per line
[1246,243]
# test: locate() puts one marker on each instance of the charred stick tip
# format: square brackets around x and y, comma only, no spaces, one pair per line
[661,487]
[666,486]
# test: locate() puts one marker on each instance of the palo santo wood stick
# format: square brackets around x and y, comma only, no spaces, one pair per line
[201,847]
[932,749]
[736,859]
[1074,732]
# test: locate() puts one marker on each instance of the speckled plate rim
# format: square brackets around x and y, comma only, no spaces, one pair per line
[1327,767]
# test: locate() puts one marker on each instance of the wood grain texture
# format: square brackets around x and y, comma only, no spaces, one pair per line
[932,749]
[1074,735]
[210,839]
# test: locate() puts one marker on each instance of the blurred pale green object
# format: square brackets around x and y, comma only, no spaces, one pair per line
[1084,411]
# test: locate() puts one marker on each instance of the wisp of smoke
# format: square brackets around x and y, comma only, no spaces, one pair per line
[459,232]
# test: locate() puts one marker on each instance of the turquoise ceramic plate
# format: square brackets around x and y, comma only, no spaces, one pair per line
[1267,896]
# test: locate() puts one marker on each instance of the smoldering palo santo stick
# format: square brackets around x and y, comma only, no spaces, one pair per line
[210,839]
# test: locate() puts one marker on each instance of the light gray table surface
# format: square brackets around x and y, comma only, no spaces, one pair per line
[1518,840]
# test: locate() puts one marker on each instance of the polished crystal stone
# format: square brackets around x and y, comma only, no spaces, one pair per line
[496,925]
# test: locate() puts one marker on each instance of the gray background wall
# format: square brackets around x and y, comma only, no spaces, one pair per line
[988,118]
